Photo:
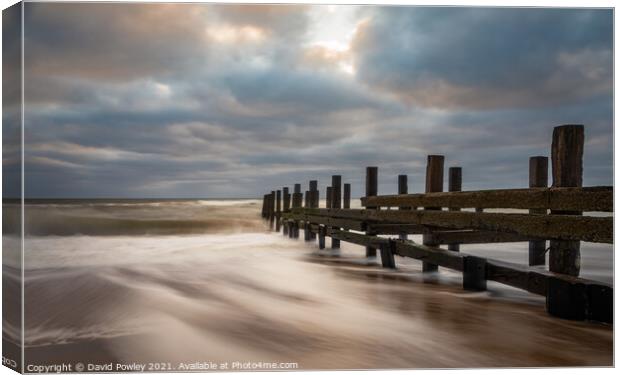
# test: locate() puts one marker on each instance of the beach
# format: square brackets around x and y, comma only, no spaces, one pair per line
[185,283]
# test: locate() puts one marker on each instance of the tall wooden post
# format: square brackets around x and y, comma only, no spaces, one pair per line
[286,205]
[272,210]
[434,183]
[286,198]
[455,180]
[263,212]
[403,188]
[346,200]
[323,229]
[328,197]
[567,171]
[278,209]
[336,202]
[306,224]
[372,185]
[314,200]
[297,198]
[539,171]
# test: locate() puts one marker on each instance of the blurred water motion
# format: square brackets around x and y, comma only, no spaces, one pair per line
[220,287]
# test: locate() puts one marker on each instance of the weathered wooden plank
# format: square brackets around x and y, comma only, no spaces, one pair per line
[398,229]
[357,238]
[433,255]
[347,224]
[596,198]
[475,237]
[344,223]
[562,227]
[518,276]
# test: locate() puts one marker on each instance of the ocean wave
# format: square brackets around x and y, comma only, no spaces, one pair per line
[99,226]
[135,218]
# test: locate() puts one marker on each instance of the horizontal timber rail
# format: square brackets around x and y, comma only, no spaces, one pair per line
[599,198]
[556,221]
[561,227]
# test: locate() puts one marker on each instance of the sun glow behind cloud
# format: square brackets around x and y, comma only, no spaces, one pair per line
[332,31]
[228,34]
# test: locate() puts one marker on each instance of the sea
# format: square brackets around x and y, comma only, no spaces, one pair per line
[198,284]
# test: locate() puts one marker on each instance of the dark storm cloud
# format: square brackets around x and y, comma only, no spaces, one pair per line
[483,58]
[111,42]
[200,100]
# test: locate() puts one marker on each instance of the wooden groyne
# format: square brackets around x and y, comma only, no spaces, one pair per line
[560,216]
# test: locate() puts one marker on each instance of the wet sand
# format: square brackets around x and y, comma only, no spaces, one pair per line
[289,305]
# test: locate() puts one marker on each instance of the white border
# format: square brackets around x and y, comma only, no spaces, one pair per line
[488,3]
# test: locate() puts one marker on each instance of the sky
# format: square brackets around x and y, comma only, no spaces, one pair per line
[193,100]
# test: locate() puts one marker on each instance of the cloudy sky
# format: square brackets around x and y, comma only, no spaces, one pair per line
[189,100]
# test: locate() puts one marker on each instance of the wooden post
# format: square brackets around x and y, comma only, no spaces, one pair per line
[314,188]
[306,231]
[306,225]
[323,229]
[372,184]
[336,192]
[286,206]
[278,209]
[263,212]
[287,199]
[297,198]
[346,200]
[328,197]
[314,203]
[336,202]
[321,237]
[387,254]
[474,273]
[434,183]
[539,170]
[455,180]
[272,210]
[567,171]
[565,299]
[403,188]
